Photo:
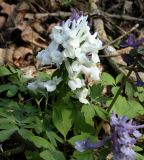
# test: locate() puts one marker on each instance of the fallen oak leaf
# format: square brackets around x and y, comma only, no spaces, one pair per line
[10,11]
[19,56]
[29,35]
[7,8]
[3,18]
[38,27]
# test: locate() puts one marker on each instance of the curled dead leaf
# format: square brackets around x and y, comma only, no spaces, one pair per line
[2,21]
[7,8]
[19,56]
[38,27]
[23,6]
[29,35]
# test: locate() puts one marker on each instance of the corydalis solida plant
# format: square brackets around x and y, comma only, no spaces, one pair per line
[74,46]
[123,138]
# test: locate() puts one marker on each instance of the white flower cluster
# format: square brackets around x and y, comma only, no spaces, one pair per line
[49,85]
[73,44]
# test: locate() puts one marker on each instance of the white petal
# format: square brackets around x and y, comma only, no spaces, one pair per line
[81,95]
[76,83]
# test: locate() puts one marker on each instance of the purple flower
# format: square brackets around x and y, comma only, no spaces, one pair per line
[139,82]
[81,146]
[124,136]
[132,42]
[75,15]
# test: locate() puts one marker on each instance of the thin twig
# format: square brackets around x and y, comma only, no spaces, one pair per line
[125,17]
[118,52]
[121,37]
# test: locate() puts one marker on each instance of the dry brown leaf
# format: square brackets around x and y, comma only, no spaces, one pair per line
[38,27]
[2,56]
[2,21]
[10,53]
[19,56]
[8,9]
[20,19]
[22,25]
[40,16]
[53,4]
[23,6]
[21,52]
[28,35]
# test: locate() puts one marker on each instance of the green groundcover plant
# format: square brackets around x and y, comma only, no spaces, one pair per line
[62,116]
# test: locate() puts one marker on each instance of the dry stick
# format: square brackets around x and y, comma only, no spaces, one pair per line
[121,37]
[118,52]
[125,17]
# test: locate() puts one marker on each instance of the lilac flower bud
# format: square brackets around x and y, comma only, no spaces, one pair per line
[81,146]
[132,42]
[75,15]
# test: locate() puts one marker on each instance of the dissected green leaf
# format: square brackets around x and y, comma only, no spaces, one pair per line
[96,90]
[25,133]
[83,156]
[5,134]
[119,78]
[130,108]
[129,90]
[53,137]
[6,124]
[52,155]
[32,155]
[115,89]
[40,142]
[12,91]
[80,124]
[4,71]
[100,112]
[62,119]
[107,79]
[89,113]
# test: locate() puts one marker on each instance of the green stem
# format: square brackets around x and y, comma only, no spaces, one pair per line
[116,96]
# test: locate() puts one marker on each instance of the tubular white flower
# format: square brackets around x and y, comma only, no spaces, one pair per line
[82,94]
[76,83]
[50,55]
[33,86]
[73,44]
[58,35]
[49,85]
[92,71]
